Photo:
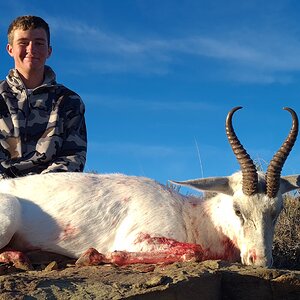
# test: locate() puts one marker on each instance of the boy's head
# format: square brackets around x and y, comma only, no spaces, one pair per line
[26,23]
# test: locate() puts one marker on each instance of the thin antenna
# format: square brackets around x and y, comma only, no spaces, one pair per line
[199,157]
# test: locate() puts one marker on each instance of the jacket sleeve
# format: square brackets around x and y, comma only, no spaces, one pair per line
[72,155]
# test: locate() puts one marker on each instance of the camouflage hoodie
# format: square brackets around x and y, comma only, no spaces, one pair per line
[42,130]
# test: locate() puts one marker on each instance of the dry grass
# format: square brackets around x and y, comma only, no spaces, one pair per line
[286,246]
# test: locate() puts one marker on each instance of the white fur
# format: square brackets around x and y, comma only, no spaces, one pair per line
[67,213]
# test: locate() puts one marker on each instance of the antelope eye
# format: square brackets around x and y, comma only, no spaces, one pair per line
[238,212]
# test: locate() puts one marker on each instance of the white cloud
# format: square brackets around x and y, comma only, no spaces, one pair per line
[132,149]
[245,56]
[149,105]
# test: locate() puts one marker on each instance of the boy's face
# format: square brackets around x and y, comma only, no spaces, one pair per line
[29,50]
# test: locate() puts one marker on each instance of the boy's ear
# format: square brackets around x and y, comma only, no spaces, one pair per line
[9,49]
[49,51]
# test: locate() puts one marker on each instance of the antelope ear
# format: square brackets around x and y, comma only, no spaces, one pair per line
[289,183]
[212,184]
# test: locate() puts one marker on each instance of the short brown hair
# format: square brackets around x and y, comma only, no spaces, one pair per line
[25,23]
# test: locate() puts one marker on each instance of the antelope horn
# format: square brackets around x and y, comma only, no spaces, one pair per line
[249,172]
[274,169]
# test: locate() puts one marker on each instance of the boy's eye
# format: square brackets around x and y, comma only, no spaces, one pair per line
[39,42]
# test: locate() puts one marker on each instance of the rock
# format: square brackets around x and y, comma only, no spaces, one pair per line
[52,266]
[187,280]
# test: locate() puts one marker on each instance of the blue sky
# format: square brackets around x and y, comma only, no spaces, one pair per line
[158,78]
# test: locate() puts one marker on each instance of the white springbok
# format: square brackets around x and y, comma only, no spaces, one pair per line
[124,219]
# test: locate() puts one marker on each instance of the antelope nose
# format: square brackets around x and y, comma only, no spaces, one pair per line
[251,259]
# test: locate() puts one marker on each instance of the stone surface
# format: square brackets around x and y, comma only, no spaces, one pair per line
[190,280]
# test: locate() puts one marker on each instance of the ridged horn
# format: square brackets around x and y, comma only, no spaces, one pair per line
[249,172]
[274,169]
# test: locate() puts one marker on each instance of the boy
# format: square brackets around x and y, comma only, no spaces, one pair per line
[42,124]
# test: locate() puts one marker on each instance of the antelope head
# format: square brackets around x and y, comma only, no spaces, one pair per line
[253,199]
